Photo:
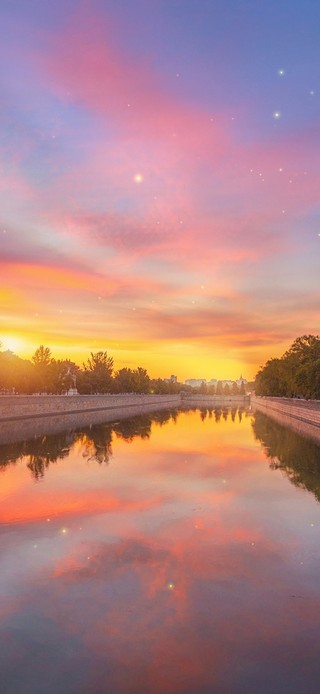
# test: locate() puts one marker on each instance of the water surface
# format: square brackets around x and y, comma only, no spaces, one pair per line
[170,553]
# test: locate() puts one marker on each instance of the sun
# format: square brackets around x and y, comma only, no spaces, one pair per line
[12,343]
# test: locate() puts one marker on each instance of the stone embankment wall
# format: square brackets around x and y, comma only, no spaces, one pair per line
[301,415]
[30,406]
[28,416]
[14,407]
[24,417]
[198,400]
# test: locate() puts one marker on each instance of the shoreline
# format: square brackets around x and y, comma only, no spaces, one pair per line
[17,407]
[302,416]
[23,416]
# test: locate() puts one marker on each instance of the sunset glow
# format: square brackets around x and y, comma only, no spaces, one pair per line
[159,182]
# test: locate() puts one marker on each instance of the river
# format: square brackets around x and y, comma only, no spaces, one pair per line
[170,553]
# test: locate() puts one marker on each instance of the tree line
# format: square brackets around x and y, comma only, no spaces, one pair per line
[45,374]
[295,374]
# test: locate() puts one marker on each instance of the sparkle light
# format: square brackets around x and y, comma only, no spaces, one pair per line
[138,178]
[170,586]
[276,115]
[281,72]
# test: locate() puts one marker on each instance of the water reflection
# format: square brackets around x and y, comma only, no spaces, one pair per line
[96,440]
[296,456]
[185,566]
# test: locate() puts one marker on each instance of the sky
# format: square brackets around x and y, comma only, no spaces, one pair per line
[159,181]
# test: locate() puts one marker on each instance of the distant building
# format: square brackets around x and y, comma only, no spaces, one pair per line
[195,382]
[172,379]
[241,380]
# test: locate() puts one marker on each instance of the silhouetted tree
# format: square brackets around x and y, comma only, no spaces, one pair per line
[296,373]
[16,374]
[97,374]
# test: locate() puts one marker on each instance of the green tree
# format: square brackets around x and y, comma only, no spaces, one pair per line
[297,373]
[97,374]
[42,360]
[61,375]
[124,381]
[42,356]
[272,379]
[141,380]
[16,374]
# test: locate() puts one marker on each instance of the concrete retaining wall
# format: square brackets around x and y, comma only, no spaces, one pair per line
[14,407]
[24,428]
[300,415]
[197,400]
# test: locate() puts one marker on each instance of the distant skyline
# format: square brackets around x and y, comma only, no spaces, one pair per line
[159,181]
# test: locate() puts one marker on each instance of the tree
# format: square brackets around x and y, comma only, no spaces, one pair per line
[296,373]
[61,375]
[124,381]
[141,380]
[42,356]
[272,379]
[42,360]
[97,374]
[16,374]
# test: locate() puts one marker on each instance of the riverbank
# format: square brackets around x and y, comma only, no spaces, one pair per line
[15,407]
[19,414]
[199,400]
[25,416]
[302,416]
